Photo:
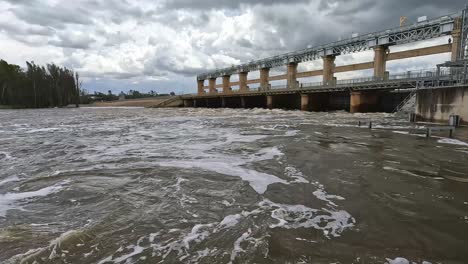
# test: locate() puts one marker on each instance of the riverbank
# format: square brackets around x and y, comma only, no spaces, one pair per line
[153,102]
[143,102]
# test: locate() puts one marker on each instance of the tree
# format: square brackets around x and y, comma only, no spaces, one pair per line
[38,86]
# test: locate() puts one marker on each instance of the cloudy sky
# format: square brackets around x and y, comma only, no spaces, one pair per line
[161,45]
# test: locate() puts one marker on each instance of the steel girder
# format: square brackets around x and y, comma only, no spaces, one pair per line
[416,32]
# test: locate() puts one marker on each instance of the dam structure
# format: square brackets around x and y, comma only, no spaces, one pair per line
[382,92]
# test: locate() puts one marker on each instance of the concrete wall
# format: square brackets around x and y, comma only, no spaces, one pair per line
[368,101]
[437,105]
[388,101]
[338,101]
[255,101]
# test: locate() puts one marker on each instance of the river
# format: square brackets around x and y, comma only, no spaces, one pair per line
[134,185]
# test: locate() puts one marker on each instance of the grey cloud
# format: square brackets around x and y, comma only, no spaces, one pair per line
[19,29]
[111,75]
[117,38]
[278,26]
[75,41]
[225,4]
[58,16]
[164,64]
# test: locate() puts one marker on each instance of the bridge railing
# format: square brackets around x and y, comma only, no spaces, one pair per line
[446,77]
[311,84]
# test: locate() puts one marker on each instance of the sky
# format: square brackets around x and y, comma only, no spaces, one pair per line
[161,45]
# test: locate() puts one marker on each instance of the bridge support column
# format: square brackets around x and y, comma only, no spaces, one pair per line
[292,75]
[189,103]
[243,82]
[201,90]
[223,102]
[212,86]
[362,102]
[227,84]
[305,102]
[243,102]
[456,35]
[380,62]
[264,75]
[328,70]
[270,102]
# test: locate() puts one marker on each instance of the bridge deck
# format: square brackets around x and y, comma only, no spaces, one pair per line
[422,79]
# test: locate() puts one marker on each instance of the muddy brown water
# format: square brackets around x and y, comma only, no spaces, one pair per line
[133,185]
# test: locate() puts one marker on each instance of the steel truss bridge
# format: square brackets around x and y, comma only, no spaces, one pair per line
[446,75]
[425,30]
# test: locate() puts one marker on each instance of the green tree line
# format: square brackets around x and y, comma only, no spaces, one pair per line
[38,86]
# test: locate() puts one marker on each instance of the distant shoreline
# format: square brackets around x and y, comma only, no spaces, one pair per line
[143,102]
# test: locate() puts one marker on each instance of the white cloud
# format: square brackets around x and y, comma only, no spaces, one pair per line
[164,44]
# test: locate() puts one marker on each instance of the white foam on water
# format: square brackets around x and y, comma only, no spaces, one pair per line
[305,240]
[292,172]
[8,201]
[53,246]
[332,223]
[233,138]
[229,221]
[38,130]
[401,132]
[292,133]
[452,141]
[400,260]
[135,250]
[387,168]
[198,233]
[6,155]
[237,245]
[321,194]
[258,180]
[408,133]
[226,203]
[9,179]
[265,154]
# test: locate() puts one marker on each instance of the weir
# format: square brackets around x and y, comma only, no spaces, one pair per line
[382,92]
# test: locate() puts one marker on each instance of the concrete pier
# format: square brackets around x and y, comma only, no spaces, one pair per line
[380,61]
[270,102]
[264,79]
[328,70]
[456,38]
[292,75]
[227,84]
[363,101]
[201,88]
[243,102]
[243,81]
[212,86]
[305,102]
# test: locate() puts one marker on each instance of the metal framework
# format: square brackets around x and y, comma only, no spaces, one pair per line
[433,79]
[416,32]
[463,49]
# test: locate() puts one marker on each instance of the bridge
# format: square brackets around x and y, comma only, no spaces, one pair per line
[380,92]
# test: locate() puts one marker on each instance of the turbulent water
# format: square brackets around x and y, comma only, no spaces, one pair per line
[116,185]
